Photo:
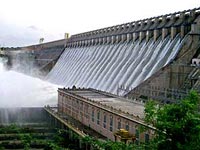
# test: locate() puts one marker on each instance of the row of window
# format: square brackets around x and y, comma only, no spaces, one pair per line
[67,106]
[97,118]
[119,125]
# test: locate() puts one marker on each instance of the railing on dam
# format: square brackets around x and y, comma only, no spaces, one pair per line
[164,25]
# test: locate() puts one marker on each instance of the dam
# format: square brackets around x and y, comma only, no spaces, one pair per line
[107,67]
[145,59]
[120,58]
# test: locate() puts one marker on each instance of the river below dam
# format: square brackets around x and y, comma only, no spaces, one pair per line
[20,90]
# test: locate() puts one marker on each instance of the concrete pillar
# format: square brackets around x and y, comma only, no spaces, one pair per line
[141,36]
[142,24]
[156,20]
[173,18]
[100,40]
[96,41]
[182,16]
[89,42]
[149,34]
[129,37]
[164,19]
[108,39]
[136,25]
[183,31]
[85,43]
[156,34]
[128,26]
[118,38]
[93,42]
[104,40]
[82,43]
[100,31]
[165,32]
[113,39]
[74,44]
[135,36]
[195,27]
[173,32]
[192,14]
[149,22]
[123,37]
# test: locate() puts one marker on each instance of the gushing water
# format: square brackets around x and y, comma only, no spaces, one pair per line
[19,90]
[110,66]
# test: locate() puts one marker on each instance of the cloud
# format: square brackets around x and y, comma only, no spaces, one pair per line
[14,36]
[27,18]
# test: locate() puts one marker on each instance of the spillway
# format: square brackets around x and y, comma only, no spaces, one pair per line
[112,65]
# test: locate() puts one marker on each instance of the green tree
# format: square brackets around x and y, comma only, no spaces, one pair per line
[178,124]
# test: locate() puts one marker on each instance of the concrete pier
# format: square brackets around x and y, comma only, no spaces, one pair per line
[164,25]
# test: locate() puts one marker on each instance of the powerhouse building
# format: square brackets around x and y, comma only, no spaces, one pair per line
[105,113]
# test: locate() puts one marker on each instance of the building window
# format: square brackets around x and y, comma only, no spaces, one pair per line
[98,117]
[85,107]
[93,115]
[104,121]
[146,137]
[119,124]
[111,123]
[81,106]
[127,126]
[137,134]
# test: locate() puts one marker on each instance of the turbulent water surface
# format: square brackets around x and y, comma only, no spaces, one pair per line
[19,90]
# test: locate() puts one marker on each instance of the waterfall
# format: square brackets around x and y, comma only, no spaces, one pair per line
[108,66]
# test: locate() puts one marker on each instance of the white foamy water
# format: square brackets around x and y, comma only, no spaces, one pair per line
[19,90]
[107,67]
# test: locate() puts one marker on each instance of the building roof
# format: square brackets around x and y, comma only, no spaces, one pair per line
[109,101]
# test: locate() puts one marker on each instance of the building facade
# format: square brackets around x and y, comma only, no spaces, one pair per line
[103,112]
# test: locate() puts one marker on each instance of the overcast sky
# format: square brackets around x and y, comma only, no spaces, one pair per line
[23,22]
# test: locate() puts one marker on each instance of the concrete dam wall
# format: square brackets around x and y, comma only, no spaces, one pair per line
[123,56]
